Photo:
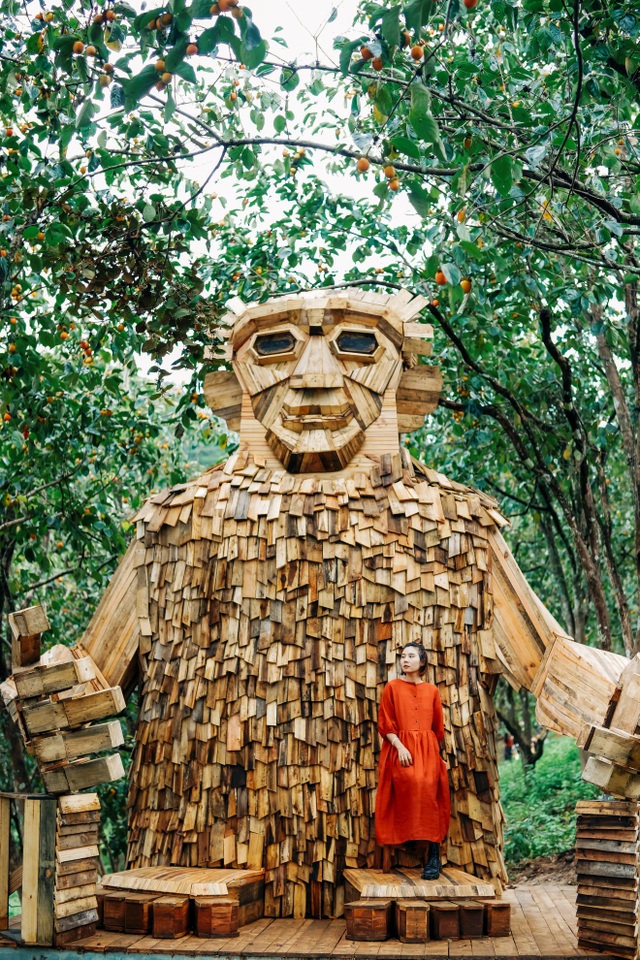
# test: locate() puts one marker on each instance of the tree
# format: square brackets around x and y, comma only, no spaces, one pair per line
[510,131]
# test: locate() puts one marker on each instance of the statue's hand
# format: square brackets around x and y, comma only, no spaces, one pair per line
[53,700]
[404,756]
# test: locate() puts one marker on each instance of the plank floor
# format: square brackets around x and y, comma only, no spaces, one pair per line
[543,923]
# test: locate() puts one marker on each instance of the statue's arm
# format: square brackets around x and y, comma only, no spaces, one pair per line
[112,638]
[583,692]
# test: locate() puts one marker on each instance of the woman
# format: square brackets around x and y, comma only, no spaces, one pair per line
[413,787]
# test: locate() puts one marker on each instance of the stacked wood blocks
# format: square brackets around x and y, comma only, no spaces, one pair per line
[53,699]
[76,868]
[607,863]
[416,921]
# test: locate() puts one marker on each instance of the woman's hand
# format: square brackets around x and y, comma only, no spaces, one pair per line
[404,756]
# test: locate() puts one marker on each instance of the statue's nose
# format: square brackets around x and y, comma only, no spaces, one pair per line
[317,367]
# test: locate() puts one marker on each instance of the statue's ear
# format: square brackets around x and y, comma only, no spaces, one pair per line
[223,393]
[418,394]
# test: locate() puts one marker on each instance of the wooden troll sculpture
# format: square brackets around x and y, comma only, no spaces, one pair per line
[263,605]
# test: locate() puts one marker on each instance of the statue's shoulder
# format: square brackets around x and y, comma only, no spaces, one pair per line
[457,499]
[175,506]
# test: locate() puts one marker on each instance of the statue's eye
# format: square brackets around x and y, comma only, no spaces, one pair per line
[355,341]
[270,344]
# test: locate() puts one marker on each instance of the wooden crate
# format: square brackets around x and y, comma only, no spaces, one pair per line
[369,919]
[412,921]
[497,918]
[171,917]
[113,909]
[138,912]
[471,919]
[215,917]
[445,920]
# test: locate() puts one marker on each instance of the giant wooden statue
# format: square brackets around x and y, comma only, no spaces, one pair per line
[262,606]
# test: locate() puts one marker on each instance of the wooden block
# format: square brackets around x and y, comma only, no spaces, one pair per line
[73,840]
[78,743]
[73,907]
[26,626]
[170,917]
[215,917]
[611,778]
[412,921]
[77,854]
[83,864]
[445,920]
[73,880]
[369,919]
[615,745]
[75,934]
[497,918]
[72,806]
[138,912]
[77,920]
[51,715]
[43,679]
[113,911]
[87,773]
[471,919]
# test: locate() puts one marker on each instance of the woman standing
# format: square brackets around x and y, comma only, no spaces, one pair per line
[413,787]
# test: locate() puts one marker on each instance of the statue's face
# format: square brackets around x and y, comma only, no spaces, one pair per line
[317,389]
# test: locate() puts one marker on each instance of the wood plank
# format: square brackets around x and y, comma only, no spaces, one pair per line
[5,833]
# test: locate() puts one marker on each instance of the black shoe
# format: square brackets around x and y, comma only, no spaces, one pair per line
[432,866]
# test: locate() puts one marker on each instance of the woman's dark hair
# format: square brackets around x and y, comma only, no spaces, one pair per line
[422,653]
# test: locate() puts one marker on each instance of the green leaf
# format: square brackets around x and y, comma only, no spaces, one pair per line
[419,198]
[289,79]
[138,86]
[384,100]
[86,114]
[186,72]
[201,10]
[279,123]
[390,26]
[422,121]
[452,273]
[409,147]
[416,14]
[253,58]
[56,234]
[176,55]
[148,212]
[502,174]
[208,40]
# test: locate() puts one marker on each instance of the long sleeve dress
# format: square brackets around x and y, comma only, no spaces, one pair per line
[412,802]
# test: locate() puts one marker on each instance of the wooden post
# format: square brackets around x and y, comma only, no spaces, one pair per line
[38,875]
[5,827]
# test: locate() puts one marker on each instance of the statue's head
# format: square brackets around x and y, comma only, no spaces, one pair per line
[317,371]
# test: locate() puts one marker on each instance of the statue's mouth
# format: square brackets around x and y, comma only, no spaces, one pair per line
[316,421]
[316,410]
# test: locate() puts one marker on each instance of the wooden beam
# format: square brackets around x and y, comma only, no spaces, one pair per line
[611,778]
[615,745]
[5,832]
[38,870]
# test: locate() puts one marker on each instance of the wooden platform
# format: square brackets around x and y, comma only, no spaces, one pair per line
[197,882]
[401,883]
[543,923]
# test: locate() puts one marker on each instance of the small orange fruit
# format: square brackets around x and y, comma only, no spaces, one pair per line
[160,66]
[363,164]
[394,184]
[99,18]
[417,52]
[466,285]
[111,16]
[91,50]
[377,63]
[78,46]
[192,49]
[389,171]
[440,278]
[166,78]
[166,19]
[462,215]
[467,143]
[108,68]
[366,53]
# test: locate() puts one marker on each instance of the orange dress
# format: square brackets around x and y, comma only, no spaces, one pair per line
[412,803]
